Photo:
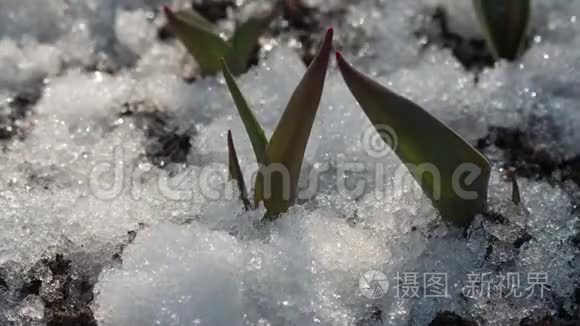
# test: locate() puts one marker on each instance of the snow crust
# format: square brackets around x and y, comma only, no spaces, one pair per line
[80,178]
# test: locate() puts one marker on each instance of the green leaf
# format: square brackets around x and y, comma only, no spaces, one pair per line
[245,39]
[505,24]
[288,143]
[516,198]
[235,171]
[253,127]
[206,47]
[437,157]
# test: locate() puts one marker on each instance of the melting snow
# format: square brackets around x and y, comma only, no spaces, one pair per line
[79,179]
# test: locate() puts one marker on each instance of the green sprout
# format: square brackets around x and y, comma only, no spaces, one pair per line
[505,25]
[516,198]
[235,171]
[281,158]
[435,155]
[205,44]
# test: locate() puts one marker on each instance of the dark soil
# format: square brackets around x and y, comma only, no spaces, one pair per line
[14,114]
[306,25]
[472,53]
[131,235]
[304,22]
[447,318]
[528,160]
[166,144]
[525,159]
[213,10]
[549,321]
[68,304]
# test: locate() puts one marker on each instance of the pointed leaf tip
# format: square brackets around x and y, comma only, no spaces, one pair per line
[343,65]
[290,138]
[231,156]
[326,45]
[235,171]
[455,178]
[170,15]
[505,25]
[330,30]
[167,11]
[516,198]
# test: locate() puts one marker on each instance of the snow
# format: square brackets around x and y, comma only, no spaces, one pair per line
[80,178]
[170,296]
